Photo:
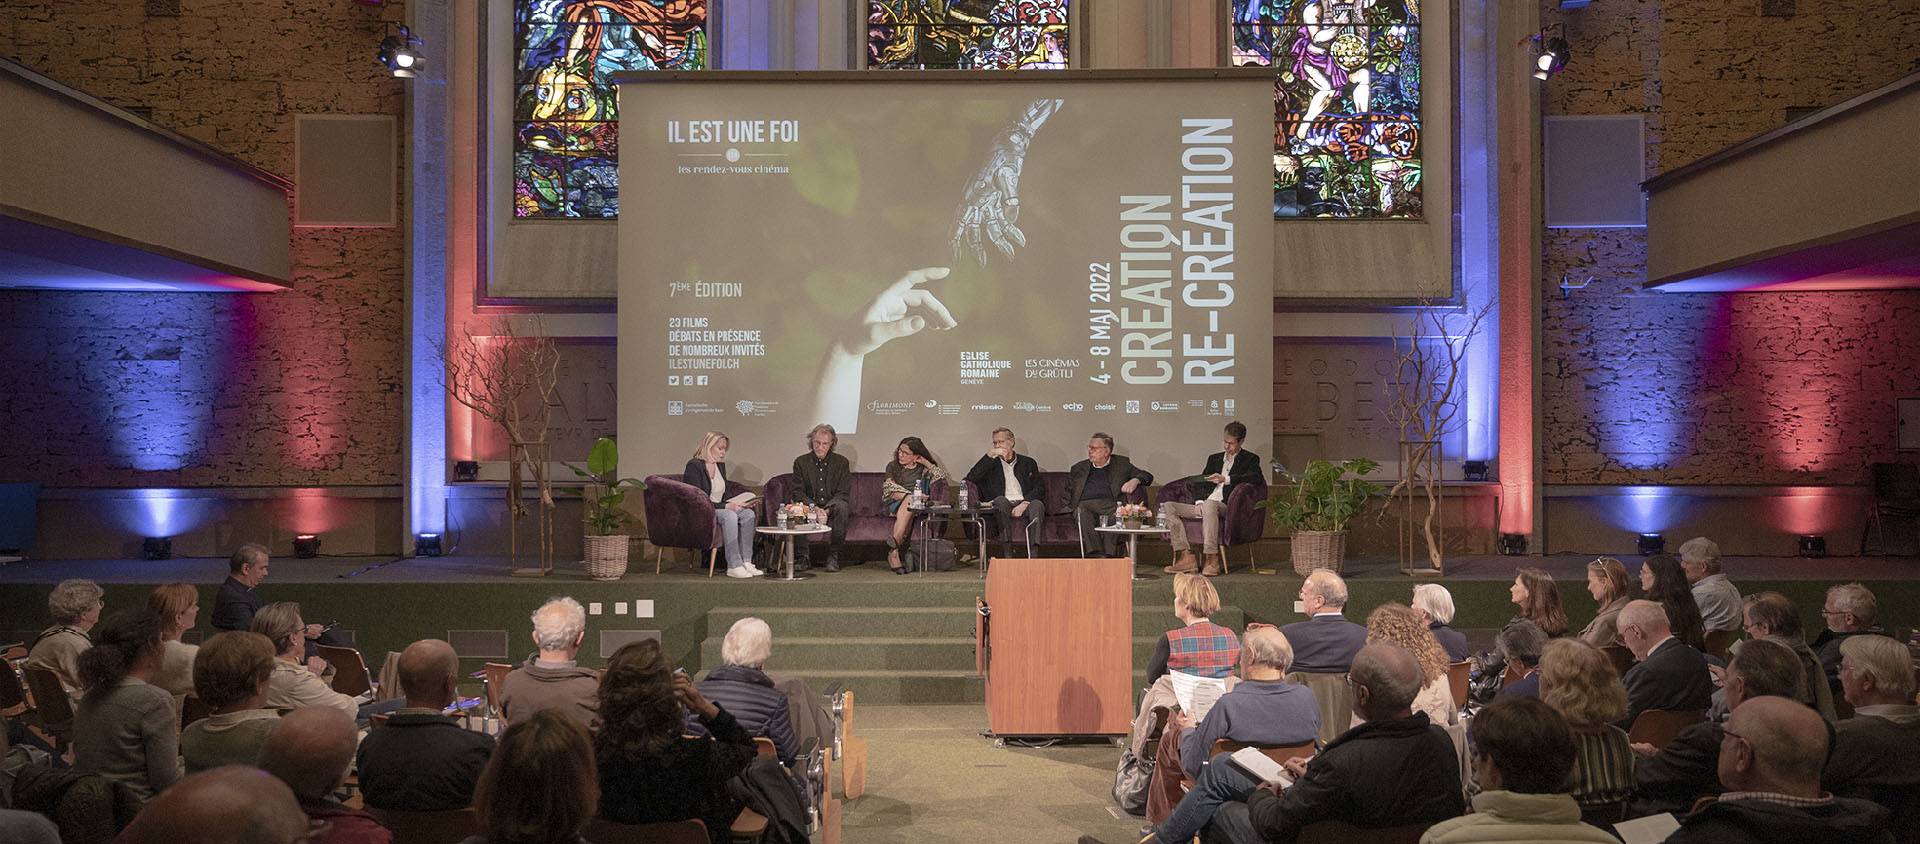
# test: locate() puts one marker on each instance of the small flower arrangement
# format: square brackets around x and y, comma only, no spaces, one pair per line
[1132,511]
[795,513]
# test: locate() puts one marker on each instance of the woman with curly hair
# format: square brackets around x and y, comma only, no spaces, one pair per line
[125,728]
[538,788]
[1579,682]
[1607,583]
[1539,601]
[1400,625]
[649,772]
[1666,584]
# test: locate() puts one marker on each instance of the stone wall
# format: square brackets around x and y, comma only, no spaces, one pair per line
[136,389]
[1651,388]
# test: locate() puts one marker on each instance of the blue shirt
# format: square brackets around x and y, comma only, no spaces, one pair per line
[1255,712]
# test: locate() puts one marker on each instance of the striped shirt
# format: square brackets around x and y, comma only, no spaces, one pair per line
[1602,767]
[1204,649]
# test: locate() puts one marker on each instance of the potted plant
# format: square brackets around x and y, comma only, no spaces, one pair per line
[606,521]
[1314,509]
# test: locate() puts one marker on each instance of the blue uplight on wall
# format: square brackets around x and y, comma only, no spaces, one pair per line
[1647,509]
[157,369]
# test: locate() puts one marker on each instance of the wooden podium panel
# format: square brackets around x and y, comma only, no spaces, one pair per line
[1060,640]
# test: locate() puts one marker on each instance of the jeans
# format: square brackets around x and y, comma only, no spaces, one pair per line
[736,529]
[1220,782]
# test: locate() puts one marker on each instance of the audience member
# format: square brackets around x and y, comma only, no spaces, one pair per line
[1876,753]
[235,603]
[1095,487]
[1523,751]
[20,826]
[1607,583]
[1198,646]
[1326,642]
[234,804]
[1769,615]
[1671,675]
[295,685]
[1671,778]
[553,678]
[740,685]
[1770,758]
[310,750]
[1519,645]
[1849,611]
[231,674]
[822,478]
[1713,593]
[178,606]
[1539,600]
[1578,681]
[1224,470]
[1398,624]
[650,772]
[1010,484]
[125,728]
[1435,605]
[1263,709]
[1397,769]
[423,760]
[75,607]
[540,787]
[1665,583]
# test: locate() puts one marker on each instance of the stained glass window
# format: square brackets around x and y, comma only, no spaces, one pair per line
[565,115]
[967,34]
[1346,100]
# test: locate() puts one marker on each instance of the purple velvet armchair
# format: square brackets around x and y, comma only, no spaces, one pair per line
[868,521]
[1243,523]
[1057,528]
[680,515]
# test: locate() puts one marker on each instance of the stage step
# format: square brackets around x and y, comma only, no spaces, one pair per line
[861,653]
[871,687]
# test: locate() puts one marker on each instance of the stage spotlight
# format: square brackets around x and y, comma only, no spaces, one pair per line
[1550,55]
[1650,544]
[1513,544]
[400,51]
[306,546]
[157,548]
[1813,546]
[1476,471]
[427,545]
[466,470]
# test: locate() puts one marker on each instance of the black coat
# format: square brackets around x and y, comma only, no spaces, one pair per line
[809,488]
[992,482]
[1452,641]
[1379,774]
[422,763]
[1674,676]
[234,606]
[1245,470]
[1119,471]
[696,476]
[1756,822]
[687,780]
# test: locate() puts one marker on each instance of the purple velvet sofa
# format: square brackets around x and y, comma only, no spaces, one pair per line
[869,521]
[1243,523]
[680,515]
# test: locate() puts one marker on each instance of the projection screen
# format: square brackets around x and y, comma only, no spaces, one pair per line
[939,254]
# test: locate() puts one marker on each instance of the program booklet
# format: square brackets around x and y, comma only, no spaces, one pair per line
[744,499]
[1196,694]
[1261,766]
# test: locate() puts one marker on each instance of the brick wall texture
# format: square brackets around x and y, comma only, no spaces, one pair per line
[138,389]
[1759,388]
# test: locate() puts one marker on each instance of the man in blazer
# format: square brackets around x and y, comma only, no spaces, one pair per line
[1010,483]
[1670,674]
[1225,470]
[1094,488]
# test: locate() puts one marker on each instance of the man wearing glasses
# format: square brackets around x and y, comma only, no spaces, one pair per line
[1849,611]
[1771,753]
[1094,488]
[1670,674]
[1009,482]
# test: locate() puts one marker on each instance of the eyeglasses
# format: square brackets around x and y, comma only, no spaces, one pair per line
[1833,612]
[1729,734]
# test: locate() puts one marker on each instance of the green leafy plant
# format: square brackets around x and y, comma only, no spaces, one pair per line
[1323,497]
[604,515]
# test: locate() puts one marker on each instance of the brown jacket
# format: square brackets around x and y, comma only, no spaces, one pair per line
[531,688]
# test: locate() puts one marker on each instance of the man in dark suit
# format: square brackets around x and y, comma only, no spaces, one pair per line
[1010,483]
[1671,778]
[1094,488]
[1225,470]
[823,478]
[1876,754]
[1326,642]
[1670,674]
[235,602]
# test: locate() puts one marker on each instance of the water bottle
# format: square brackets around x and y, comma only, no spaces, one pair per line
[963,496]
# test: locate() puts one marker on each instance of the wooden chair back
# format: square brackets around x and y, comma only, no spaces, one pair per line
[349,670]
[764,746]
[377,720]
[1341,832]
[1659,726]
[1335,697]
[50,697]
[1276,752]
[1621,656]
[603,831]
[1720,644]
[1459,678]
[193,709]
[447,827]
[496,677]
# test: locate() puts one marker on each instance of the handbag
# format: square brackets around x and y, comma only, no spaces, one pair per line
[940,553]
[1130,780]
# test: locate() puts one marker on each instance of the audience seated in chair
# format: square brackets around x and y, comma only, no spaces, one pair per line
[741,686]
[553,678]
[232,804]
[1607,583]
[1876,753]
[1577,681]
[1771,616]
[1672,778]
[540,787]
[125,728]
[1435,605]
[310,750]
[648,770]
[1770,761]
[1197,647]
[1713,593]
[231,673]
[1850,611]
[423,760]
[1519,644]
[178,606]
[75,607]
[1523,752]
[1326,642]
[1397,624]
[1670,674]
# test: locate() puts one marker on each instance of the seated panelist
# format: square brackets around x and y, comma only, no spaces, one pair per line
[1010,483]
[912,465]
[708,471]
[1095,487]
[1225,470]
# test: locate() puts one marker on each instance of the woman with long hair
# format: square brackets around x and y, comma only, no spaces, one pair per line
[911,466]
[125,728]
[178,606]
[1398,624]
[1533,589]
[707,472]
[648,771]
[539,787]
[1665,583]
[1579,682]
[1607,583]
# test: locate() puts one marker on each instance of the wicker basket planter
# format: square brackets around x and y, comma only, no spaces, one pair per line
[1318,549]
[606,556]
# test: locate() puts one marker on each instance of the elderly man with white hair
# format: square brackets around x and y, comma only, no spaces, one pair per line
[553,678]
[1850,611]
[1326,642]
[1718,599]
[742,688]
[1876,753]
[1435,604]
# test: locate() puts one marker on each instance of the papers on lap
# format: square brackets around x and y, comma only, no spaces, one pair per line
[1648,830]
[743,499]
[1196,694]
[1261,766]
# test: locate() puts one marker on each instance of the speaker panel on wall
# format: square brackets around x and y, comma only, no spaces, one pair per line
[481,644]
[1595,164]
[613,640]
[344,170]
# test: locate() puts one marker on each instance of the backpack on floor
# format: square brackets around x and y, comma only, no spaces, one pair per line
[940,553]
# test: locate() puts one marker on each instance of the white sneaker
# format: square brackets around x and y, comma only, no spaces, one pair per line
[756,570]
[741,571]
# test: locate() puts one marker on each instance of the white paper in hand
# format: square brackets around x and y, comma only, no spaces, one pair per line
[1648,830]
[1196,694]
[1261,766]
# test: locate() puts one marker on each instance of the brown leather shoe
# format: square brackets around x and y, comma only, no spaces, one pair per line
[1212,568]
[1183,563]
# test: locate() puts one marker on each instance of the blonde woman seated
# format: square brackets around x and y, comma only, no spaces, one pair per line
[1197,647]
[1579,682]
[1607,583]
[1399,624]
[912,465]
[708,471]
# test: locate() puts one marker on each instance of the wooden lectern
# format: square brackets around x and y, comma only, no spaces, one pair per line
[1059,645]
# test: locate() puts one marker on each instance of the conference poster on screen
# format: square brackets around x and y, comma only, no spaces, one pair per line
[937,259]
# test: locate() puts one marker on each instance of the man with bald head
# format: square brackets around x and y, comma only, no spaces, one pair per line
[234,804]
[1770,760]
[423,760]
[1326,642]
[310,750]
[1671,778]
[1670,675]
